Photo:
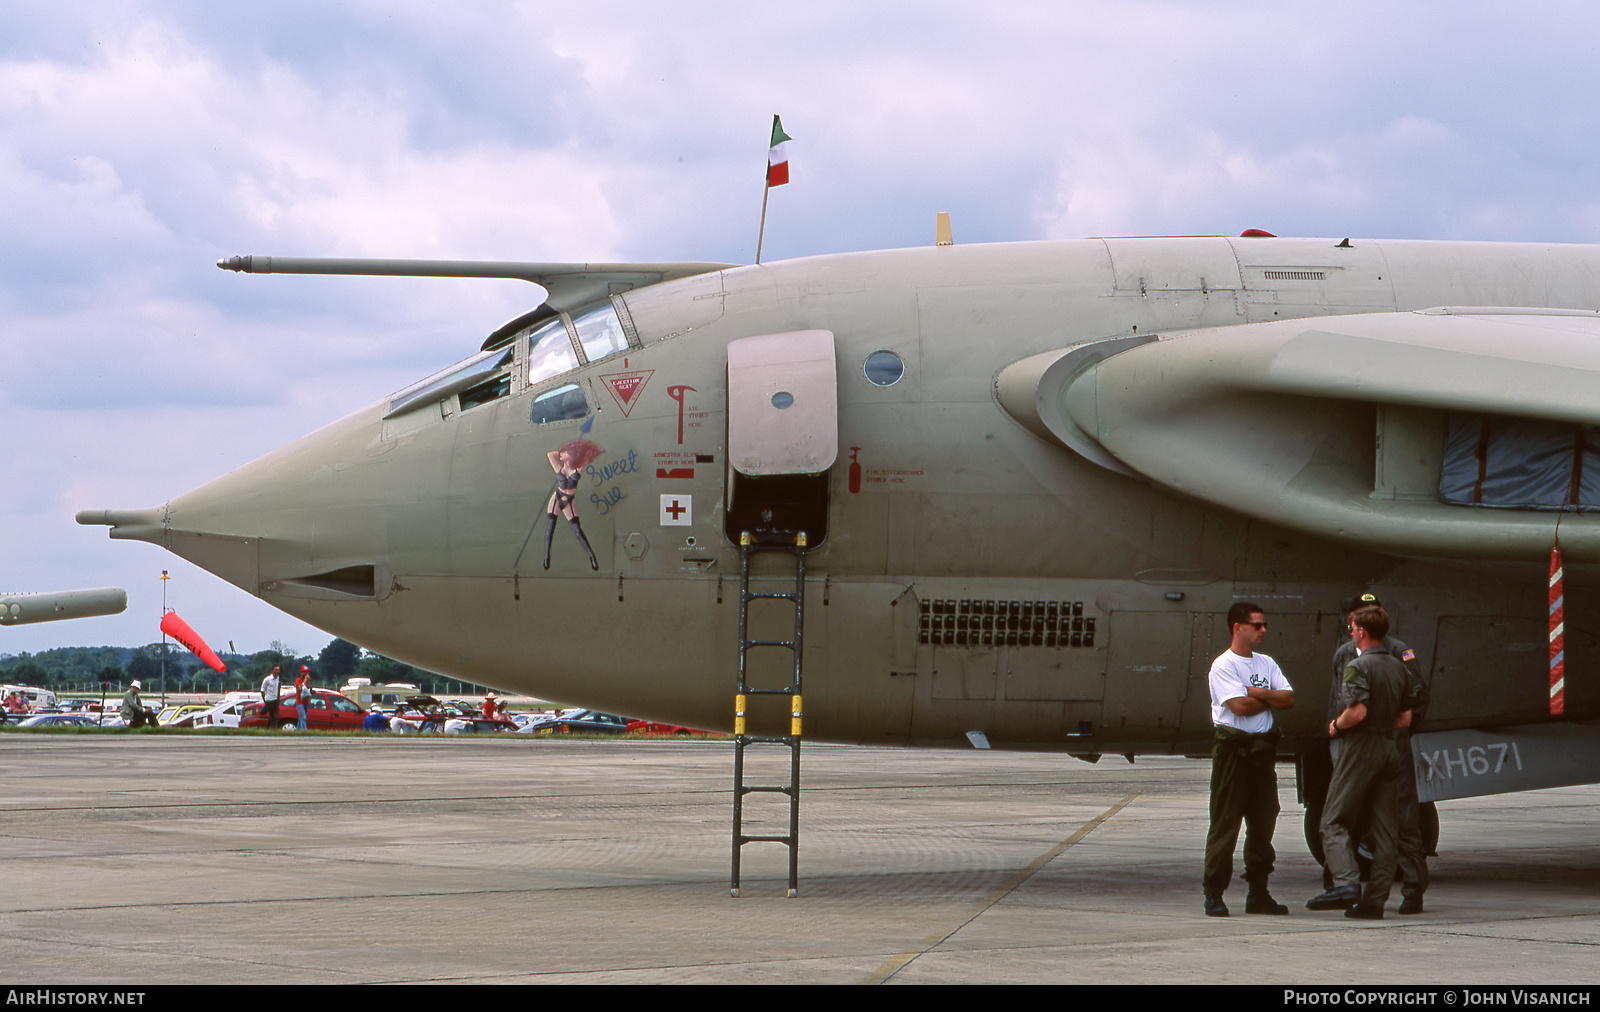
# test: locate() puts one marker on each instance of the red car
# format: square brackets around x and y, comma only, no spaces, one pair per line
[656,727]
[329,711]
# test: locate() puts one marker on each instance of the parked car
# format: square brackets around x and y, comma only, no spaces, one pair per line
[428,714]
[580,722]
[227,712]
[329,711]
[528,720]
[60,720]
[474,715]
[180,714]
[655,727]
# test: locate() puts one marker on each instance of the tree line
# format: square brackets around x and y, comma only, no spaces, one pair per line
[82,670]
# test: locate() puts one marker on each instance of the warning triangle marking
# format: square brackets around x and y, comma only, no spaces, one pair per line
[626,387]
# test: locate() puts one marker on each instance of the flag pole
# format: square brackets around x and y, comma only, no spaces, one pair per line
[766,191]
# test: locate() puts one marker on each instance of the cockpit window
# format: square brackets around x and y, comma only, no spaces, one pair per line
[489,375]
[550,352]
[493,388]
[558,404]
[600,333]
[447,381]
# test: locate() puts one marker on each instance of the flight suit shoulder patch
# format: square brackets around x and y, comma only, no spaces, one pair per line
[1409,655]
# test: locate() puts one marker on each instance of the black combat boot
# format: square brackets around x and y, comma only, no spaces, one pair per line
[1342,898]
[1259,901]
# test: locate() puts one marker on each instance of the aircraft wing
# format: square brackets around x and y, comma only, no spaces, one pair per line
[1336,426]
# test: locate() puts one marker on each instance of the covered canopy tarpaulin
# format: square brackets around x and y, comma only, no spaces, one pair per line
[1520,463]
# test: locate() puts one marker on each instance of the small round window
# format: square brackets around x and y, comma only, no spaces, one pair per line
[883,368]
[782,399]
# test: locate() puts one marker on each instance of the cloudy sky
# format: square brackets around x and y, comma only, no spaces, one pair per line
[141,140]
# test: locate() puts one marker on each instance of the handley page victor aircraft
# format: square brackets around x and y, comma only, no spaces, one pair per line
[1032,478]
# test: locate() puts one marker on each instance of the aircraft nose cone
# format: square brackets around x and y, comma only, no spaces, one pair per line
[231,557]
[295,514]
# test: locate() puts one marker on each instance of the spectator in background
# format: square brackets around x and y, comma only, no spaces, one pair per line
[133,713]
[271,689]
[302,694]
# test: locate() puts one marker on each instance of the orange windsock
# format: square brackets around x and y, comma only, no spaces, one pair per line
[179,630]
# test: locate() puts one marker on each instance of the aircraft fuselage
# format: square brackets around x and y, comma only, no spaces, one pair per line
[972,575]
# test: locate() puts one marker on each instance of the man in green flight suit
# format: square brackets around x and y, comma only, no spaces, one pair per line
[1412,849]
[1377,696]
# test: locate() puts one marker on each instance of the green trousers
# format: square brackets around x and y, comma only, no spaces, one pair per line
[1412,856]
[1244,786]
[1364,793]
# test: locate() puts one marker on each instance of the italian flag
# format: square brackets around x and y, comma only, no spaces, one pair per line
[778,156]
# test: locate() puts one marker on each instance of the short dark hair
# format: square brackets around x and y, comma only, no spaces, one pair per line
[1240,614]
[1372,620]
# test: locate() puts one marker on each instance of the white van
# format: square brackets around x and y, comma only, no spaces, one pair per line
[39,699]
[364,693]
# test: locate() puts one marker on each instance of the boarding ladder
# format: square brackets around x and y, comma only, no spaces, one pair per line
[750,545]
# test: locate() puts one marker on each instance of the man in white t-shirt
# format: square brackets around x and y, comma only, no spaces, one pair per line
[1246,687]
[270,690]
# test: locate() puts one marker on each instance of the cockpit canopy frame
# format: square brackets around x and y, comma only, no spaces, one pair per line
[532,352]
